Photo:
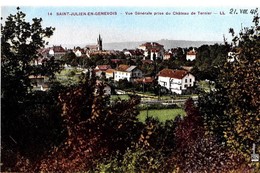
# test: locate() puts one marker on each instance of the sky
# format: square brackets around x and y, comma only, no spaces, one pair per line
[80,28]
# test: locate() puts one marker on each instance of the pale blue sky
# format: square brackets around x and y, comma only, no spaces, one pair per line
[121,27]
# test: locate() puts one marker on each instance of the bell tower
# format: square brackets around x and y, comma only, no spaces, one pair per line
[99,43]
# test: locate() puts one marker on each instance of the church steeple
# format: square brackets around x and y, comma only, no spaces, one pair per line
[99,43]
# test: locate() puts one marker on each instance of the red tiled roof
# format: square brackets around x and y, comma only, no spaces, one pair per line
[122,67]
[110,70]
[58,49]
[96,70]
[136,52]
[155,50]
[177,74]
[103,67]
[148,61]
[91,46]
[191,52]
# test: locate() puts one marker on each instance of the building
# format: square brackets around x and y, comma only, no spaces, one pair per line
[79,52]
[100,70]
[99,43]
[127,72]
[152,50]
[191,55]
[175,81]
[46,53]
[110,73]
[134,53]
[57,52]
[167,56]
[54,51]
[93,48]
[102,67]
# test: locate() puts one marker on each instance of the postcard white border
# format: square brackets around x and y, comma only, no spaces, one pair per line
[165,3]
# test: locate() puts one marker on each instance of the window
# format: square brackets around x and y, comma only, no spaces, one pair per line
[186,80]
[190,80]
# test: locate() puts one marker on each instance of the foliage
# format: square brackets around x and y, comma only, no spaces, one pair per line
[208,60]
[32,128]
[240,79]
[20,43]
[30,120]
[139,160]
[232,112]
[124,84]
[197,151]
[94,129]
[150,153]
[68,77]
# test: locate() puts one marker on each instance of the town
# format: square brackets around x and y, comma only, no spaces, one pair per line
[143,67]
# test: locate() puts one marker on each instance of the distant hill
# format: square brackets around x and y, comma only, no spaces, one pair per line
[167,44]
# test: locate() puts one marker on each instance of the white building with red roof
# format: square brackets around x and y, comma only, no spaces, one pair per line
[191,55]
[57,51]
[152,50]
[175,80]
[127,72]
[110,73]
[101,69]
[134,53]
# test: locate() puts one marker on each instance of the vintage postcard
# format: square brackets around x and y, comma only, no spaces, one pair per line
[113,87]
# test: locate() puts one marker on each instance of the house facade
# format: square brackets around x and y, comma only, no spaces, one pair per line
[152,50]
[127,72]
[57,52]
[191,55]
[110,73]
[101,70]
[176,81]
[167,56]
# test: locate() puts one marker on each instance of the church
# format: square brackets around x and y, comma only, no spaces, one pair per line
[97,47]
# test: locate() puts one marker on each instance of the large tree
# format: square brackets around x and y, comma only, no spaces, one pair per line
[240,79]
[232,112]
[29,119]
[20,43]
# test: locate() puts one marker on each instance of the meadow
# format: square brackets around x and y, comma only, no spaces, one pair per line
[161,114]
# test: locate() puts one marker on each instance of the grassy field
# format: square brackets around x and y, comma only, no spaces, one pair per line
[161,114]
[69,76]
